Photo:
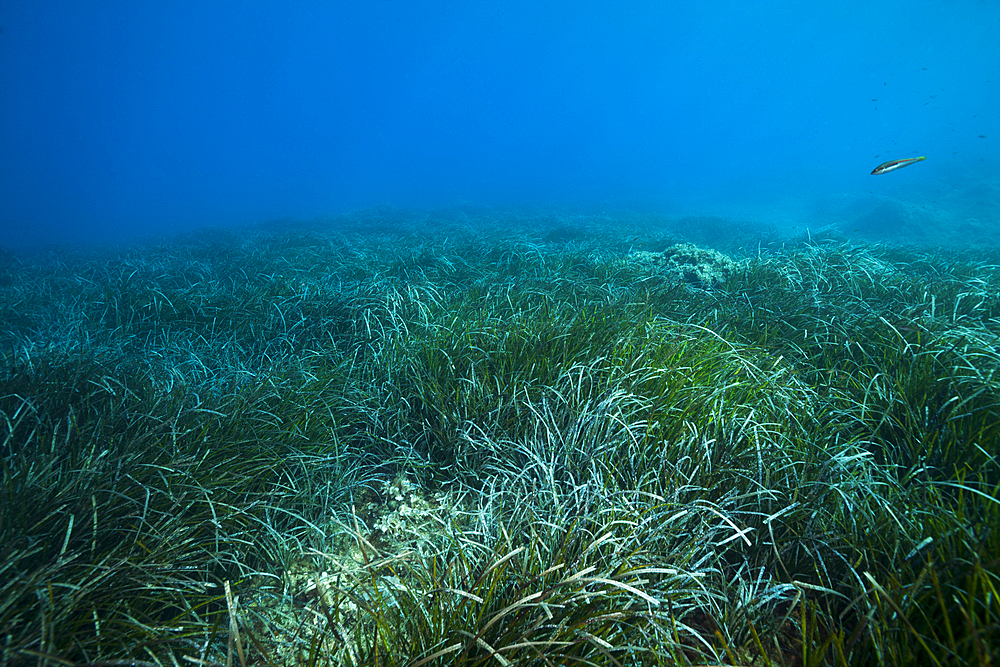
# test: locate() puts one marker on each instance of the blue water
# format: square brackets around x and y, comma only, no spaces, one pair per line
[121,120]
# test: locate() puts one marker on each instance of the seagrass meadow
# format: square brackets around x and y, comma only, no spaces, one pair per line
[500,438]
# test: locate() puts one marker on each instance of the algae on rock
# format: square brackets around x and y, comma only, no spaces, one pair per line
[699,266]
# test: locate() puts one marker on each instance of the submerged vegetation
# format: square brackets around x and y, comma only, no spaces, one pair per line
[505,440]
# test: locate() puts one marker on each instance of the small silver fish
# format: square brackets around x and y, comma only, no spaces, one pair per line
[893,165]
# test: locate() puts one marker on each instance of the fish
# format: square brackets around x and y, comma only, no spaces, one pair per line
[893,165]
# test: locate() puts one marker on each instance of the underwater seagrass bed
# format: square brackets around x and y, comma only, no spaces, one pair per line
[500,438]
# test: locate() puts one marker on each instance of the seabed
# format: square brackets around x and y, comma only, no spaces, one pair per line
[500,438]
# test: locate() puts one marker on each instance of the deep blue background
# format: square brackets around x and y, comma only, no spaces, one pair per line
[126,118]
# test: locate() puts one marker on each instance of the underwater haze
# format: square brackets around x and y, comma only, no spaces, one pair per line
[123,120]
